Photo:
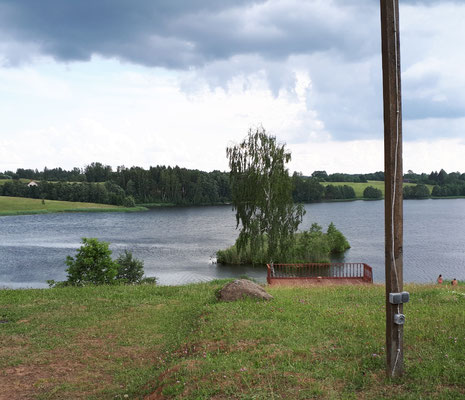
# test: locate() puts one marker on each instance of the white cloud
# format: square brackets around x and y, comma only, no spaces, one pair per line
[141,117]
[359,156]
[426,156]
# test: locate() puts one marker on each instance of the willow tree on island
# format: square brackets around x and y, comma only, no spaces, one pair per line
[262,195]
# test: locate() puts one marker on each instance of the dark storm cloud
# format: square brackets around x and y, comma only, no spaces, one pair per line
[182,34]
[176,34]
[139,31]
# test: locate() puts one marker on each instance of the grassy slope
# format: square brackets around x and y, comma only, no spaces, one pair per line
[2,181]
[360,187]
[179,342]
[20,205]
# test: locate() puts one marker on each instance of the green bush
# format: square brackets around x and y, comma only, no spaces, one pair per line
[129,201]
[416,192]
[371,192]
[130,269]
[233,256]
[92,264]
[309,246]
[337,241]
[148,280]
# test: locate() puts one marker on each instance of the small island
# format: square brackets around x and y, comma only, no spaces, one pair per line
[261,190]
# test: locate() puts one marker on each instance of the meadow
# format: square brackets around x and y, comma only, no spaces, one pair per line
[23,180]
[21,205]
[117,342]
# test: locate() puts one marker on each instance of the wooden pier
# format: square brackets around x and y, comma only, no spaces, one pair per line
[319,274]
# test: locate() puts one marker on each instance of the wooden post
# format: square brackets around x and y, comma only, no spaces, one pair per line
[393,178]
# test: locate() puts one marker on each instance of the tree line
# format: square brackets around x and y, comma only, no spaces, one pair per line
[323,176]
[125,186]
[445,184]
[98,183]
[310,189]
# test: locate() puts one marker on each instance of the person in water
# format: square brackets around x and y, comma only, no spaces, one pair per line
[454,282]
[439,279]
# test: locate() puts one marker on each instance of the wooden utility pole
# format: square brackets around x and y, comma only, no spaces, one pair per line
[393,177]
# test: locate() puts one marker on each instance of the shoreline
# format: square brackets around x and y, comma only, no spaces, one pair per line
[446,284]
[72,210]
[149,206]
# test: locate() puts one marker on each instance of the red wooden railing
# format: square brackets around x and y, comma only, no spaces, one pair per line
[359,271]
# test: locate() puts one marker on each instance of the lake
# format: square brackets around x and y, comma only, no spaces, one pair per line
[176,243]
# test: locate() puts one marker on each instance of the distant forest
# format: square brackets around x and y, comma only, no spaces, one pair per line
[99,183]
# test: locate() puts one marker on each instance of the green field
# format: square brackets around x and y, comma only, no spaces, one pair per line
[21,205]
[23,180]
[180,343]
[360,187]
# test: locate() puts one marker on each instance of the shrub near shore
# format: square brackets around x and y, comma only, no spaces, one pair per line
[309,246]
[93,265]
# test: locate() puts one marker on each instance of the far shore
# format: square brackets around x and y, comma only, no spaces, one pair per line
[24,206]
[10,206]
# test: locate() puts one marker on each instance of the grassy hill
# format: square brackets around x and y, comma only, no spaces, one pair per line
[360,187]
[180,343]
[21,205]
[23,180]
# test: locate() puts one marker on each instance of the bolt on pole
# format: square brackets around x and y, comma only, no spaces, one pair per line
[393,182]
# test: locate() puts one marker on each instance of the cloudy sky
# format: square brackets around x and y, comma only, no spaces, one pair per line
[174,82]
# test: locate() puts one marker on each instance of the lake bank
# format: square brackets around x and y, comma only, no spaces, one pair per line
[179,342]
[26,206]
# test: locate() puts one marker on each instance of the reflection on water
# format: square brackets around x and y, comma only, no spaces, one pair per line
[176,243]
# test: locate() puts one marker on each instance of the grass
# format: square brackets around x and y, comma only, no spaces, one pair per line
[446,197]
[359,187]
[180,343]
[23,180]
[21,205]
[156,205]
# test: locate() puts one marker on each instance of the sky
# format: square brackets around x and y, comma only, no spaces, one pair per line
[171,82]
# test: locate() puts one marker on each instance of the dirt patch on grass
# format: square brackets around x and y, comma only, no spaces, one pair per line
[13,345]
[248,383]
[77,371]
[159,383]
[28,381]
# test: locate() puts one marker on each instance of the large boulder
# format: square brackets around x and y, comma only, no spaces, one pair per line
[241,288]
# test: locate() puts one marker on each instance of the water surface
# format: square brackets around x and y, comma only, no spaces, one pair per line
[176,243]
